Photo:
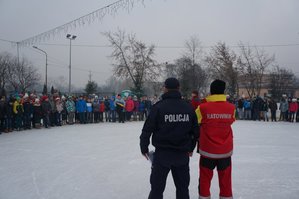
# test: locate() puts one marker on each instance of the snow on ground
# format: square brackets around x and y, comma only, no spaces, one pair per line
[102,161]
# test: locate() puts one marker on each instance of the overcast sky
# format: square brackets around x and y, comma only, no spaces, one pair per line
[165,23]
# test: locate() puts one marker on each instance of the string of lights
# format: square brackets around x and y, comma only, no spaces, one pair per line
[89,18]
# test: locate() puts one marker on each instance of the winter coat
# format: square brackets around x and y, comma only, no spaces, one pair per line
[102,107]
[172,123]
[28,108]
[3,109]
[195,102]
[142,106]
[257,104]
[9,108]
[81,106]
[111,105]
[46,107]
[148,104]
[96,106]
[119,105]
[247,105]
[136,106]
[107,105]
[293,107]
[129,105]
[273,105]
[240,103]
[59,106]
[53,105]
[37,111]
[89,107]
[18,108]
[216,135]
[284,106]
[70,106]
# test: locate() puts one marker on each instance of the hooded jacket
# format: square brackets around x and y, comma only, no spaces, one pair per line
[215,118]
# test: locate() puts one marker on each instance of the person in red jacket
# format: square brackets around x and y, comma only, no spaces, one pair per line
[215,146]
[129,108]
[195,101]
[102,110]
[293,107]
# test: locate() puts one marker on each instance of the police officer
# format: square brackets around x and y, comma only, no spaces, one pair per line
[172,123]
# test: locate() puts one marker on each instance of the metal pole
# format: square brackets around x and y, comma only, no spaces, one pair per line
[70,67]
[70,37]
[46,71]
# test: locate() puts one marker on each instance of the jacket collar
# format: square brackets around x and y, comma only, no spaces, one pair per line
[172,94]
[216,98]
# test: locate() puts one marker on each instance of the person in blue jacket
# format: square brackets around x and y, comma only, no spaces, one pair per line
[81,109]
[112,112]
[141,110]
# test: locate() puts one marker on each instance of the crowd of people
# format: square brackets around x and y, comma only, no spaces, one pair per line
[22,112]
[261,109]
[266,109]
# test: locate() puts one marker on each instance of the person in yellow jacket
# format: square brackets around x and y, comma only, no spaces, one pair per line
[18,113]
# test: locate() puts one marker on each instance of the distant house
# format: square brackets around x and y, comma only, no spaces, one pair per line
[291,90]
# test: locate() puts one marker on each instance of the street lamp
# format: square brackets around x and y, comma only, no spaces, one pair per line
[46,78]
[70,37]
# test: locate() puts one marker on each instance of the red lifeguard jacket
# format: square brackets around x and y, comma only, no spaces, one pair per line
[215,118]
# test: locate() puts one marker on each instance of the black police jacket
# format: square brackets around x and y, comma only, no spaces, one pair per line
[172,123]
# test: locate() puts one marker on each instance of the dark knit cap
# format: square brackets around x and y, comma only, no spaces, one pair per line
[217,87]
[172,83]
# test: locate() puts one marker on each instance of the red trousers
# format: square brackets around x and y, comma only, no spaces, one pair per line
[224,170]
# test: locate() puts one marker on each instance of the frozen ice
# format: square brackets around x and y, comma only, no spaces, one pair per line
[103,161]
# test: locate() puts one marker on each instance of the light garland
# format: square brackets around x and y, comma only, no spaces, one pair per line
[98,14]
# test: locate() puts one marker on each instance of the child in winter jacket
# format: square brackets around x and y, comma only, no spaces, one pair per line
[129,108]
[293,107]
[102,110]
[18,113]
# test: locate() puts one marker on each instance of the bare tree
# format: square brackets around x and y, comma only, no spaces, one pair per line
[5,60]
[282,81]
[22,75]
[193,50]
[191,76]
[171,70]
[222,65]
[133,58]
[252,65]
[198,74]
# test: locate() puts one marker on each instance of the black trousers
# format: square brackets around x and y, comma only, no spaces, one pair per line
[121,116]
[178,164]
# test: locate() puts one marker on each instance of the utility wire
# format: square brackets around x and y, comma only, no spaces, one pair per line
[232,46]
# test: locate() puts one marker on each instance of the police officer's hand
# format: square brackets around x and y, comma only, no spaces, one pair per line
[146,156]
[190,154]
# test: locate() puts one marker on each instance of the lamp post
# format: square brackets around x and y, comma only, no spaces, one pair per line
[70,37]
[46,78]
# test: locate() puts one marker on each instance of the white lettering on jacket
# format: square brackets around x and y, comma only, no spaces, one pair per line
[219,116]
[176,118]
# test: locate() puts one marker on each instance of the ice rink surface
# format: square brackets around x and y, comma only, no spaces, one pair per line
[103,161]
